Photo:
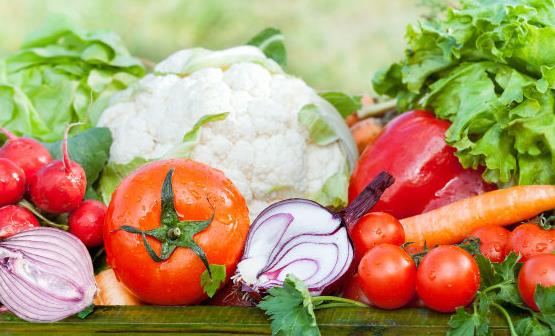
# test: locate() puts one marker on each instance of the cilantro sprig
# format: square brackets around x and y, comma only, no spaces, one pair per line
[291,308]
[498,291]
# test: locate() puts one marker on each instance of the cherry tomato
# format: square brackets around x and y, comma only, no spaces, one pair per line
[427,173]
[537,270]
[447,278]
[376,228]
[86,222]
[15,219]
[353,290]
[12,182]
[493,242]
[530,239]
[387,274]
[199,192]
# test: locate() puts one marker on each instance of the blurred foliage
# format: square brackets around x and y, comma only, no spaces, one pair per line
[332,44]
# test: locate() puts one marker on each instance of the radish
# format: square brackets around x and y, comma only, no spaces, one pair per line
[15,219]
[86,222]
[12,182]
[29,154]
[59,186]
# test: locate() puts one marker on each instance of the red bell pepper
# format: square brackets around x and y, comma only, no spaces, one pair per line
[427,174]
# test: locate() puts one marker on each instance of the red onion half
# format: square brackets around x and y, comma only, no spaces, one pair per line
[303,238]
[45,275]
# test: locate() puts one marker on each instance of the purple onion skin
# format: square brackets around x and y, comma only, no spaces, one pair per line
[45,275]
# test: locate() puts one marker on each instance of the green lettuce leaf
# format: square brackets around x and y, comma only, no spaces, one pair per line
[113,174]
[270,41]
[319,130]
[334,192]
[488,66]
[62,74]
[90,149]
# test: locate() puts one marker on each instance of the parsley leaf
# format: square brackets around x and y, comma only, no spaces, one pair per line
[290,308]
[211,281]
[545,298]
[530,326]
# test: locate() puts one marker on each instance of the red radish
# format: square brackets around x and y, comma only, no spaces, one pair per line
[15,219]
[12,182]
[29,154]
[86,222]
[59,186]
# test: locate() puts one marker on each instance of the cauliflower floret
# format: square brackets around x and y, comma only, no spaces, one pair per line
[260,144]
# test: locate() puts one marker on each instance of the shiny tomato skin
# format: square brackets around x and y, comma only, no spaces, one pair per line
[12,182]
[353,290]
[427,173]
[447,278]
[373,229]
[15,219]
[529,240]
[136,202]
[493,242]
[537,270]
[387,275]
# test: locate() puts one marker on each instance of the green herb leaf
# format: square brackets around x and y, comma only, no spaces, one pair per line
[213,280]
[90,149]
[343,103]
[463,323]
[545,299]
[191,138]
[83,314]
[270,41]
[290,308]
[530,326]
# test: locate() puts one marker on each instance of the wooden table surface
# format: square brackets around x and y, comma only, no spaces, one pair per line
[208,320]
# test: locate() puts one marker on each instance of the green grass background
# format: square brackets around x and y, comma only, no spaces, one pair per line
[332,44]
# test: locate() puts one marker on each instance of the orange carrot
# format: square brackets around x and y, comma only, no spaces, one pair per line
[111,292]
[365,132]
[452,223]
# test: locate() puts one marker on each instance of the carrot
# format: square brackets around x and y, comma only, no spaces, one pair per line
[365,132]
[452,223]
[111,292]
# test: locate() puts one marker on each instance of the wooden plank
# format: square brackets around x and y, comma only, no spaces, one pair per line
[205,320]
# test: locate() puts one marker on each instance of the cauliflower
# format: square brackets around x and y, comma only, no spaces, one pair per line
[237,111]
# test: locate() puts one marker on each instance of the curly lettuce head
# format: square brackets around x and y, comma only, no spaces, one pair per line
[489,68]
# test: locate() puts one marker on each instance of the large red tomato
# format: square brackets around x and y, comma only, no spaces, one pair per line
[199,191]
[427,174]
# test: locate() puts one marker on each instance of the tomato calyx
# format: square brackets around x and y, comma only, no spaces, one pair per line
[172,232]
